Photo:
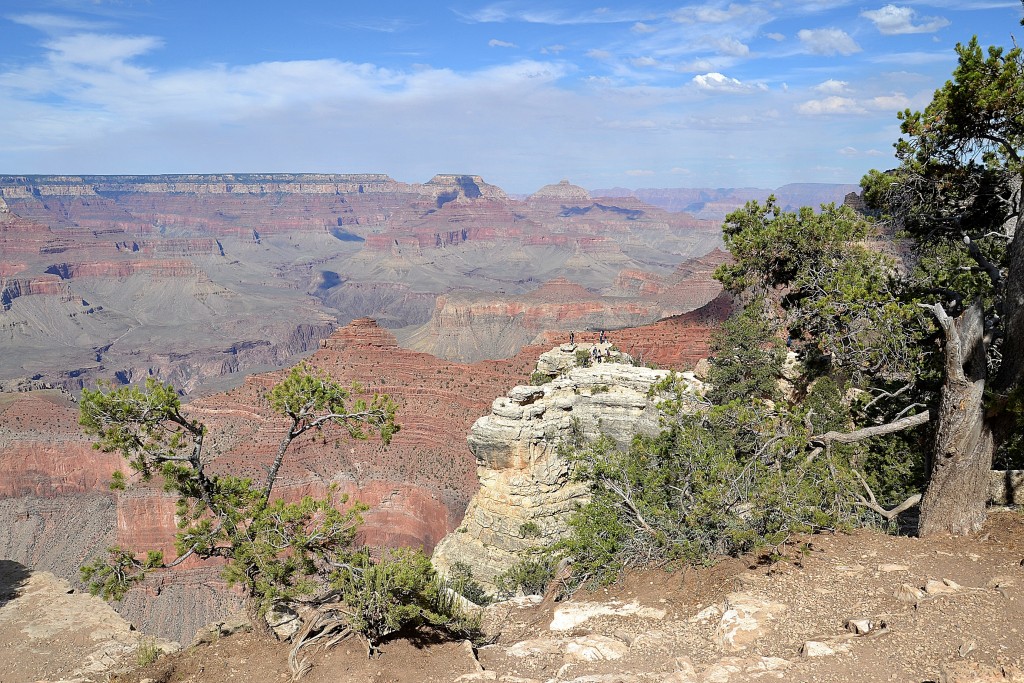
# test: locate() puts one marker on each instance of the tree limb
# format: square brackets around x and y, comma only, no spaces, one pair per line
[872,503]
[867,432]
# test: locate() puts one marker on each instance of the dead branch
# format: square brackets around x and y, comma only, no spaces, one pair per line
[871,502]
[867,432]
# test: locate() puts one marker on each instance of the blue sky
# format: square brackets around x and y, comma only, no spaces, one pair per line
[636,94]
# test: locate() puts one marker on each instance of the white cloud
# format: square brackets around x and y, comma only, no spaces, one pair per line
[828,41]
[709,14]
[94,49]
[777,37]
[500,12]
[733,47]
[892,20]
[552,49]
[641,27]
[829,106]
[716,82]
[832,87]
[639,172]
[494,42]
[644,62]
[598,54]
[854,152]
[894,102]
[56,24]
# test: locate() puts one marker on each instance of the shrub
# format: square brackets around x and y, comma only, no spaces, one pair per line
[399,590]
[531,576]
[147,652]
[538,378]
[460,578]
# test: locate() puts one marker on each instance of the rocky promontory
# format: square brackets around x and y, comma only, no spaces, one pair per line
[526,491]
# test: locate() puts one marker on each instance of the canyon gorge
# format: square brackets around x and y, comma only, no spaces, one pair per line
[442,295]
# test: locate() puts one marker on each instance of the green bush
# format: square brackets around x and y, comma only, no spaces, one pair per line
[461,580]
[531,576]
[147,652]
[399,590]
[529,530]
[538,378]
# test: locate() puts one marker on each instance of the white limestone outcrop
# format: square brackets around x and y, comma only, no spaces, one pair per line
[526,491]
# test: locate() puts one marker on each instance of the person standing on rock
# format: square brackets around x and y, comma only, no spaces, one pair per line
[572,338]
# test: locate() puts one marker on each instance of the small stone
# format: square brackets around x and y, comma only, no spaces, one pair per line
[909,594]
[860,626]
[933,587]
[893,568]
[816,648]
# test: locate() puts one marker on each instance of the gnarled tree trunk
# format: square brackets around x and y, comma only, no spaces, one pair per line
[958,488]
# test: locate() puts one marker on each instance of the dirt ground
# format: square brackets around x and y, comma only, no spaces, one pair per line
[669,625]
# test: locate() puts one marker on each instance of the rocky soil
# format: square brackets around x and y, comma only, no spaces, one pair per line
[864,607]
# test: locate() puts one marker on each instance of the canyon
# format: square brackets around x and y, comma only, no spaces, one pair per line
[200,279]
[441,294]
[56,510]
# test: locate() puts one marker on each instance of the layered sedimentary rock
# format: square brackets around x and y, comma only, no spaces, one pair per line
[56,510]
[526,493]
[162,275]
[474,325]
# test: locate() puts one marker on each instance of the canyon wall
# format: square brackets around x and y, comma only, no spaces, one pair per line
[120,277]
[526,493]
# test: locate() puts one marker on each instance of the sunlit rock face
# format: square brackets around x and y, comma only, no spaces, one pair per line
[526,493]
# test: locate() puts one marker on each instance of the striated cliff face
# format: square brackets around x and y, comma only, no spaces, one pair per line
[56,510]
[524,482]
[474,326]
[162,275]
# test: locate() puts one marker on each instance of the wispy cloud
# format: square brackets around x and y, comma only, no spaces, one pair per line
[494,42]
[892,20]
[56,23]
[830,106]
[828,41]
[505,12]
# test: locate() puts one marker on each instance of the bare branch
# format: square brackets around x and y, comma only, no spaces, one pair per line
[867,432]
[871,502]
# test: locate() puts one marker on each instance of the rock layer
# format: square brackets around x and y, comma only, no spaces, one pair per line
[526,493]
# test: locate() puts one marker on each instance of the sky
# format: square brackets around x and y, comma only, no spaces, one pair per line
[753,93]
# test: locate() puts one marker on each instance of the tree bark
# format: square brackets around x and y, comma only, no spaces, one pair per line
[1011,373]
[958,488]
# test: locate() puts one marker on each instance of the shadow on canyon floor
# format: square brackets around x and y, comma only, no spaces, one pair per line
[13,576]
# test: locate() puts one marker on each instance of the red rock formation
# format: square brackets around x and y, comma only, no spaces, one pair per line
[676,343]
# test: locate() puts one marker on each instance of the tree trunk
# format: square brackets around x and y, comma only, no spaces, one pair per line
[1011,373]
[258,621]
[958,488]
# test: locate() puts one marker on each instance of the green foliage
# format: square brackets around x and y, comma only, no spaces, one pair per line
[583,358]
[276,551]
[118,482]
[529,530]
[746,355]
[461,580]
[531,576]
[723,481]
[538,378]
[148,652]
[311,399]
[398,591]
[112,577]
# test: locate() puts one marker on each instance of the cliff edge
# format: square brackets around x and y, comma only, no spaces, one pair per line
[526,491]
